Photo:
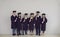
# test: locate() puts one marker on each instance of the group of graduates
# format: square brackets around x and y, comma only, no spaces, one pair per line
[22,25]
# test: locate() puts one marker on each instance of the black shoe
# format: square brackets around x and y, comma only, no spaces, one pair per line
[22,34]
[25,33]
[39,34]
[43,31]
[18,34]
[13,34]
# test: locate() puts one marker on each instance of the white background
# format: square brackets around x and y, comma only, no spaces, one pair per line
[50,7]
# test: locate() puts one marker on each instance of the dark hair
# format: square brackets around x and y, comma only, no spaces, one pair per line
[37,12]
[43,14]
[19,13]
[31,13]
[14,11]
[26,14]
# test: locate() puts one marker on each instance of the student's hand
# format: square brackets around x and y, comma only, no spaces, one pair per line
[20,20]
[16,18]
[42,22]
[34,24]
[15,21]
[30,20]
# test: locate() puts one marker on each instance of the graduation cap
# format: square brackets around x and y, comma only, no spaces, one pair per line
[43,14]
[31,13]
[26,14]
[37,12]
[14,11]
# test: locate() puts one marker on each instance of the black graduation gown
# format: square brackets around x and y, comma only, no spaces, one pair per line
[25,24]
[43,25]
[13,23]
[19,26]
[38,22]
[31,24]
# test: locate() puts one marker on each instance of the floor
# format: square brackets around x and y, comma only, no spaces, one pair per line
[30,36]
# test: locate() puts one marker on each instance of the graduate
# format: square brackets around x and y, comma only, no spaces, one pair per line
[31,23]
[25,24]
[37,23]
[14,23]
[19,26]
[44,21]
